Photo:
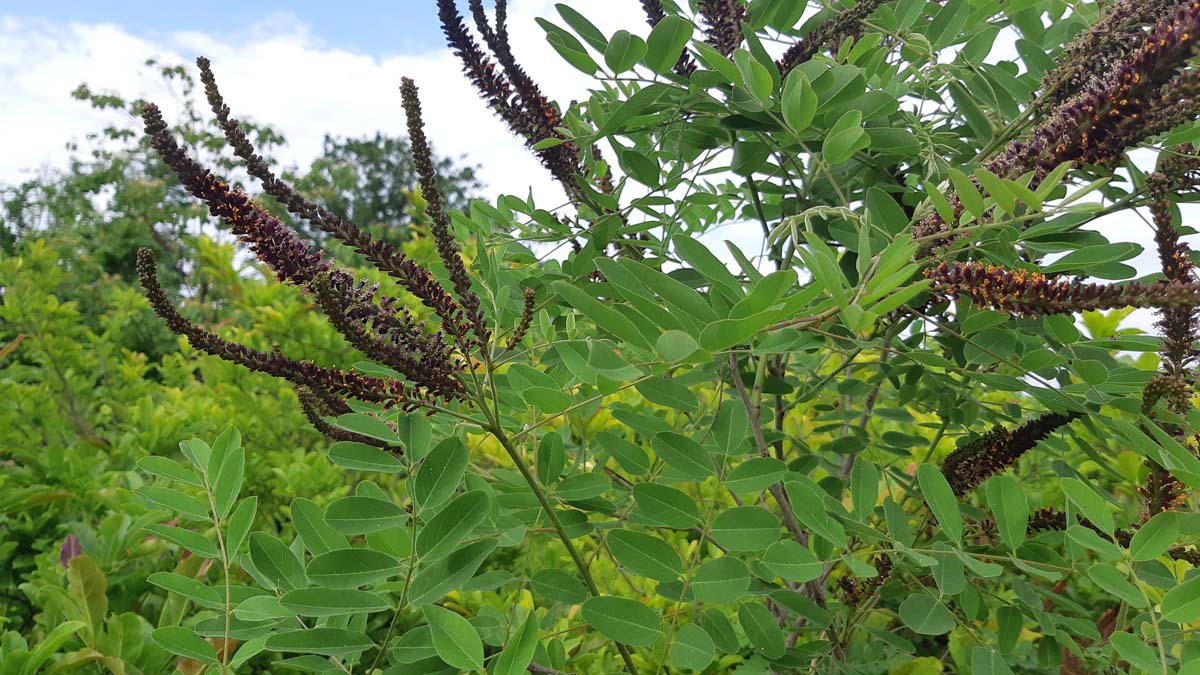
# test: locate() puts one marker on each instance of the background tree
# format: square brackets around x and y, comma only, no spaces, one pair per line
[91,381]
[369,181]
[902,437]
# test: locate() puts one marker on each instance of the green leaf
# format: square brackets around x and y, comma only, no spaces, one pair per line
[683,454]
[967,193]
[238,525]
[941,500]
[360,515]
[1024,195]
[1182,603]
[822,261]
[197,452]
[1115,582]
[968,106]
[718,62]
[949,574]
[261,608]
[731,428]
[721,630]
[441,473]
[229,440]
[549,400]
[940,203]
[317,535]
[1088,538]
[170,469]
[204,596]
[755,475]
[228,483]
[642,168]
[631,458]
[791,561]
[725,333]
[433,582]
[665,505]
[186,643]
[764,294]
[88,588]
[756,79]
[568,47]
[926,615]
[582,27]
[1009,506]
[325,641]
[276,561]
[369,426]
[749,157]
[1155,537]
[1010,621]
[1091,505]
[416,434]
[1088,257]
[645,554]
[692,648]
[351,568]
[633,106]
[710,266]
[452,524]
[675,345]
[363,457]
[997,190]
[332,602]
[984,661]
[583,486]
[667,393]
[845,138]
[184,505]
[603,316]
[413,646]
[455,639]
[248,650]
[624,51]
[521,647]
[558,585]
[745,528]
[721,580]
[678,297]
[808,504]
[666,42]
[551,458]
[623,620]
[763,631]
[799,101]
[884,212]
[192,541]
[50,644]
[1137,653]
[864,486]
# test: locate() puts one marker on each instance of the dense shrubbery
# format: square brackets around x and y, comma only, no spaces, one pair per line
[882,443]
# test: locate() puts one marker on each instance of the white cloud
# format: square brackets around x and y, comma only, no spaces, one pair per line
[280,72]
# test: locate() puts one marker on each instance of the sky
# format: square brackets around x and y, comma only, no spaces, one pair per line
[307,68]
[376,27]
[310,69]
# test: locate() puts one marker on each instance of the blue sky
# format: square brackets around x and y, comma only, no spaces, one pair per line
[308,68]
[377,27]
